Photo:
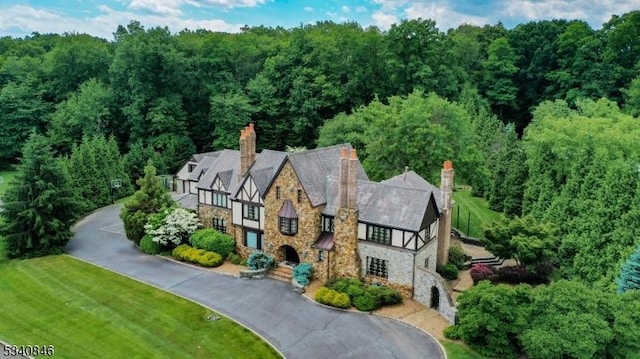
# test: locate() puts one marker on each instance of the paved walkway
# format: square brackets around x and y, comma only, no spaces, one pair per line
[297,327]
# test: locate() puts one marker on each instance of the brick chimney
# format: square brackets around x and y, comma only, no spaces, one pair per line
[343,179]
[444,227]
[352,181]
[247,149]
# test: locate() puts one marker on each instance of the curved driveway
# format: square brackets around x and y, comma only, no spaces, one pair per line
[293,324]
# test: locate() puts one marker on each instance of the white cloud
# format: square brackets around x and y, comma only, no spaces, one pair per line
[346,9]
[27,19]
[361,9]
[166,7]
[445,17]
[596,12]
[331,14]
[308,9]
[384,20]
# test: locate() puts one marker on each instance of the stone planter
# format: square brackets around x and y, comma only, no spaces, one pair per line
[250,273]
[297,287]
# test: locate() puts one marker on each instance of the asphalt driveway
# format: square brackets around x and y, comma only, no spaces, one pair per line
[296,326]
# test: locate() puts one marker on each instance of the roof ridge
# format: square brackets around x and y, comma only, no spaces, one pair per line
[387,185]
[317,149]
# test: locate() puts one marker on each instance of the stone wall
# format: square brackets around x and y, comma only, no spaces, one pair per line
[425,281]
[428,254]
[207,213]
[345,259]
[308,219]
[400,266]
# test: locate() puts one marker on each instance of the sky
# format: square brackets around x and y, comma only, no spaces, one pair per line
[19,18]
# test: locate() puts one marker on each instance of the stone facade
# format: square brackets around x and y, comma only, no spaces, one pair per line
[400,266]
[345,260]
[426,280]
[207,213]
[308,219]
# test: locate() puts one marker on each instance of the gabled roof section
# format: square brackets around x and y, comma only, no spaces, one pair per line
[262,171]
[410,179]
[184,173]
[202,168]
[386,205]
[226,165]
[199,156]
[313,166]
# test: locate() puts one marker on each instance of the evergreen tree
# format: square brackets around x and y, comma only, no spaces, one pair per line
[630,273]
[40,205]
[149,199]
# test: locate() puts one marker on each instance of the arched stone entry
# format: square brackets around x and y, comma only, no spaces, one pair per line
[289,254]
[435,298]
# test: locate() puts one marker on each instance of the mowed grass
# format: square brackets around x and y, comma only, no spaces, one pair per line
[458,351]
[7,176]
[89,312]
[479,209]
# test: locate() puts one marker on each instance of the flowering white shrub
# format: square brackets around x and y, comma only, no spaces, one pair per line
[175,228]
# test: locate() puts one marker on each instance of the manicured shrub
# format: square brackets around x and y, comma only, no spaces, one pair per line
[332,298]
[342,284]
[451,332]
[175,227]
[448,271]
[457,256]
[366,302]
[384,295]
[519,274]
[147,245]
[197,256]
[234,258]
[302,273]
[210,259]
[481,272]
[259,260]
[354,290]
[213,241]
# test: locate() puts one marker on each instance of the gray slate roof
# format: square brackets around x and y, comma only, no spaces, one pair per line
[202,167]
[313,166]
[226,163]
[384,204]
[187,200]
[263,169]
[199,156]
[410,179]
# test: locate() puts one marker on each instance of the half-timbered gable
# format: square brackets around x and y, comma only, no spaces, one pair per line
[182,176]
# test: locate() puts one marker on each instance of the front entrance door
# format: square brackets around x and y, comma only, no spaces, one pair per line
[435,297]
[290,254]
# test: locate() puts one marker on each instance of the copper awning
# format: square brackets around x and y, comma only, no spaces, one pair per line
[324,242]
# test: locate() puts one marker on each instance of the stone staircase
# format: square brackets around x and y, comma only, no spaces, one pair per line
[283,272]
[492,261]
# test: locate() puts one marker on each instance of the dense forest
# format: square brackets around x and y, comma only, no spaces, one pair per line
[540,119]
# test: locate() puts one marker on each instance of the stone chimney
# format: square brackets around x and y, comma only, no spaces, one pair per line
[345,259]
[444,228]
[343,179]
[247,149]
[352,181]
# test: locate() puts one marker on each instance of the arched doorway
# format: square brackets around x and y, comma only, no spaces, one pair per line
[435,297]
[289,254]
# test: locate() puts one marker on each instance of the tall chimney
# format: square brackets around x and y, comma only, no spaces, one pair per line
[251,142]
[444,228]
[352,182]
[244,154]
[343,179]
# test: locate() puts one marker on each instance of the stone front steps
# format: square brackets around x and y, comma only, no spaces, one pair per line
[492,261]
[282,272]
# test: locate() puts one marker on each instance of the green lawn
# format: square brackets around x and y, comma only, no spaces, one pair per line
[7,176]
[479,209]
[89,312]
[458,351]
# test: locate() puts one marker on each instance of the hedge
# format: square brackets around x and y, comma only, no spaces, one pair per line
[366,297]
[200,257]
[213,241]
[148,246]
[332,298]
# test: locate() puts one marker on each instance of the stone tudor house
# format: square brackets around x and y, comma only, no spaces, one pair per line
[318,206]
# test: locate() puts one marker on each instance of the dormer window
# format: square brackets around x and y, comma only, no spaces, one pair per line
[288,219]
[191,167]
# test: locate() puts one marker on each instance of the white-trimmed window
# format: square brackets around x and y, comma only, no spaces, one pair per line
[219,199]
[377,267]
[328,224]
[250,212]
[253,239]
